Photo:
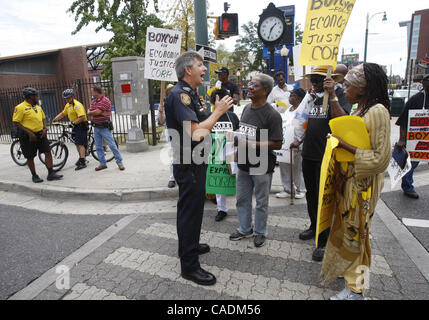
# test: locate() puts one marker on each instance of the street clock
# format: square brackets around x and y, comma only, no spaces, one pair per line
[272,26]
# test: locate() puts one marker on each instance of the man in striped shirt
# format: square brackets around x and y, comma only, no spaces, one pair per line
[100,112]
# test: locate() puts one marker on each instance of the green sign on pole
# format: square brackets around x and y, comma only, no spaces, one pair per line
[219,179]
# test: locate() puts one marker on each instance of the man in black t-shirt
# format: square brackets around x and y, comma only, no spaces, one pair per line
[223,76]
[416,102]
[255,175]
[315,143]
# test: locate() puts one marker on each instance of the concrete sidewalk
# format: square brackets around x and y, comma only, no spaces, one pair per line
[145,177]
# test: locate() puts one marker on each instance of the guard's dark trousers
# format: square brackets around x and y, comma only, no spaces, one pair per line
[311,173]
[191,180]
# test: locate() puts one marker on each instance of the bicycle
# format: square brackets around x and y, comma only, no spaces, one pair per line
[17,154]
[60,152]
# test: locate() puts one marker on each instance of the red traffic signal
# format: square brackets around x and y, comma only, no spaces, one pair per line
[228,24]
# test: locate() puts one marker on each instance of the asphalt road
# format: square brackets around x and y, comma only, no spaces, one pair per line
[32,242]
[404,207]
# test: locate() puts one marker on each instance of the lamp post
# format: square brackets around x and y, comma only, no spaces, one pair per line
[284,53]
[238,79]
[368,19]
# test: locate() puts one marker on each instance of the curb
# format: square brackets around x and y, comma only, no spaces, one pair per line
[143,194]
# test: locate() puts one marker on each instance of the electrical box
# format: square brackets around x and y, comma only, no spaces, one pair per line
[130,88]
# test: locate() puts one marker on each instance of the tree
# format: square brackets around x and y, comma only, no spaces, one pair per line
[126,19]
[249,50]
[180,16]
[298,33]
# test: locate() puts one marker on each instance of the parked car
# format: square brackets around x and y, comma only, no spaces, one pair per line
[403,93]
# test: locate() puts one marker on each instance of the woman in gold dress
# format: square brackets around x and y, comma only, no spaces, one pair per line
[359,184]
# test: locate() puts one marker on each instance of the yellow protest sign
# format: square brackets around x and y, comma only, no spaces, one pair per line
[324,26]
[326,204]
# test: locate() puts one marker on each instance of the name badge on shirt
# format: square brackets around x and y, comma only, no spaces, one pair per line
[223,126]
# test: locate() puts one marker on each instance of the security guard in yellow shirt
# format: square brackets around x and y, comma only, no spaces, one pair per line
[77,116]
[31,122]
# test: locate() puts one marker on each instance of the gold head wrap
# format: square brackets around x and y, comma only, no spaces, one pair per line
[356,77]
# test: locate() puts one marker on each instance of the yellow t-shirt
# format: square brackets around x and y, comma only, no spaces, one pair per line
[74,110]
[31,117]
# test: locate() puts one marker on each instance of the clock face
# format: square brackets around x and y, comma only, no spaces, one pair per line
[271,29]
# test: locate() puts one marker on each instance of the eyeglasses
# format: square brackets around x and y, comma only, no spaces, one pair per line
[253,84]
[35,109]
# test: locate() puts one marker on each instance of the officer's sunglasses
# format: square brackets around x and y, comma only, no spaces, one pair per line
[35,109]
[253,84]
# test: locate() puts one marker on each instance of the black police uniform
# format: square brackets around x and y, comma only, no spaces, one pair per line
[183,104]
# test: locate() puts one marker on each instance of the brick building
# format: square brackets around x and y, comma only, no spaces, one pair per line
[60,65]
[418,42]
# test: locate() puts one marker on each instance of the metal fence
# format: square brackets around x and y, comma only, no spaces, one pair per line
[53,103]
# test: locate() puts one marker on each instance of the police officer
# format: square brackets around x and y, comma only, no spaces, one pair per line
[77,116]
[30,119]
[186,118]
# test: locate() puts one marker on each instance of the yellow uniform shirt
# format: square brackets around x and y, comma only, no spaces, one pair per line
[74,110]
[31,117]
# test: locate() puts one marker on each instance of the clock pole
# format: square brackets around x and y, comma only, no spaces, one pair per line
[272,51]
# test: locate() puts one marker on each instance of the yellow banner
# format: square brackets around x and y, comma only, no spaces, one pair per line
[324,26]
[326,203]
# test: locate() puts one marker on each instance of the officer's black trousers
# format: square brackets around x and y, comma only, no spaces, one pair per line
[311,173]
[191,180]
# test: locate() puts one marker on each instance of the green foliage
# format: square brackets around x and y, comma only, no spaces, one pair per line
[126,19]
[249,50]
[298,33]
[180,16]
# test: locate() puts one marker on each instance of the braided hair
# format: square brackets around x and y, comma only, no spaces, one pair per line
[376,87]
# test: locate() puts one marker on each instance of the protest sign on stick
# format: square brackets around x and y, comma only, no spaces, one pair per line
[162,49]
[324,27]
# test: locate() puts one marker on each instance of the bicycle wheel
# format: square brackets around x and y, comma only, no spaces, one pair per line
[88,147]
[59,152]
[108,154]
[16,153]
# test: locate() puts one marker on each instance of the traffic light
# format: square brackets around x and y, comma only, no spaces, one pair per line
[228,25]
[216,30]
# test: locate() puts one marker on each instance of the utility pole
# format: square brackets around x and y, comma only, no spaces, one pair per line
[201,35]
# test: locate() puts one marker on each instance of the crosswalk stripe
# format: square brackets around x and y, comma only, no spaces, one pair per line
[416,223]
[81,291]
[272,248]
[233,283]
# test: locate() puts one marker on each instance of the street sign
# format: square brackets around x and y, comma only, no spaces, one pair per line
[352,59]
[208,54]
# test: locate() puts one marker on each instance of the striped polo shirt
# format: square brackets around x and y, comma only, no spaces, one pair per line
[102,104]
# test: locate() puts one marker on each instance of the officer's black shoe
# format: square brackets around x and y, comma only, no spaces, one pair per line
[220,215]
[318,254]
[203,248]
[171,184]
[36,179]
[54,176]
[307,234]
[200,276]
[411,194]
